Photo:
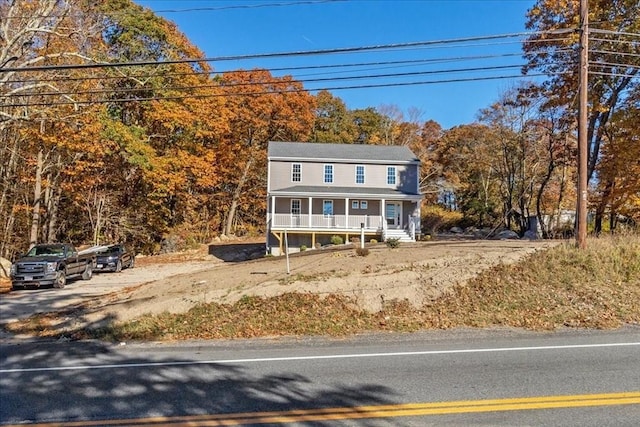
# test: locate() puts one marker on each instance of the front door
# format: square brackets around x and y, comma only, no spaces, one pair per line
[393,214]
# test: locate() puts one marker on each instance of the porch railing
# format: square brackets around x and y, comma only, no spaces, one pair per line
[314,221]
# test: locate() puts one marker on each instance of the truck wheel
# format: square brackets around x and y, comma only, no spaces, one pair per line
[61,280]
[118,266]
[88,272]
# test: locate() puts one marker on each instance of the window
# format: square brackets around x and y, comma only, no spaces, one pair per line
[391,175]
[355,204]
[328,174]
[327,207]
[363,204]
[295,207]
[359,174]
[296,172]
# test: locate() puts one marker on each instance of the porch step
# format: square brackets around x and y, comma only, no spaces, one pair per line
[402,235]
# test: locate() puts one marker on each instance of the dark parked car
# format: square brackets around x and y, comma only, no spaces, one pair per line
[114,258]
[51,264]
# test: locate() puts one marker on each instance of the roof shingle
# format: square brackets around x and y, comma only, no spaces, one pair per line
[337,152]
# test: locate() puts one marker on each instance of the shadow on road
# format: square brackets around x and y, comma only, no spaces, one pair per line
[126,385]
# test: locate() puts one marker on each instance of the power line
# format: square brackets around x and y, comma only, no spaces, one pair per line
[193,9]
[266,55]
[630,42]
[272,82]
[624,75]
[609,52]
[612,64]
[615,33]
[277,69]
[248,6]
[200,96]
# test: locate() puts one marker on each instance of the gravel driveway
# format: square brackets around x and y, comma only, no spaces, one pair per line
[22,304]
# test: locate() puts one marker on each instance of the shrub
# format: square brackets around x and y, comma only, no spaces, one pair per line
[393,242]
[336,240]
[303,248]
[373,241]
[362,251]
[436,218]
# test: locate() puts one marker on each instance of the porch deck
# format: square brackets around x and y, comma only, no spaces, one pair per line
[371,223]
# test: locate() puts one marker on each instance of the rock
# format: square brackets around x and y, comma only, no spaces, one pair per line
[507,235]
[456,230]
[5,266]
[481,234]
[531,235]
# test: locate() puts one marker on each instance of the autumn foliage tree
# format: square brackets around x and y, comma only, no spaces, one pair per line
[614,58]
[262,108]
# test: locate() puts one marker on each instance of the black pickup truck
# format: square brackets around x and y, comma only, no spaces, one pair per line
[51,264]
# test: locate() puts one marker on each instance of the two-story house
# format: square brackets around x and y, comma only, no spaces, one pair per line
[317,190]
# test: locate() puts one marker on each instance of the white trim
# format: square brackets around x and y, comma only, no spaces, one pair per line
[299,207]
[332,211]
[397,221]
[395,176]
[324,173]
[299,172]
[364,175]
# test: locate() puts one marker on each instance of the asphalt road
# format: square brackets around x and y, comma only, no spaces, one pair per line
[452,378]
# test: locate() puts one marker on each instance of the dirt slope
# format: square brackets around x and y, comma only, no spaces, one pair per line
[416,272]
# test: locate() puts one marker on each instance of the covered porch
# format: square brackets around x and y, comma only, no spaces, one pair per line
[313,220]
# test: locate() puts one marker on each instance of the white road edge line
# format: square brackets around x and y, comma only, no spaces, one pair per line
[326,357]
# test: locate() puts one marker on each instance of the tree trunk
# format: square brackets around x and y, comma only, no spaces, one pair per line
[543,185]
[37,196]
[53,215]
[601,208]
[236,197]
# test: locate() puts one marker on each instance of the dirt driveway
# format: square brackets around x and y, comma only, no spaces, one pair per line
[225,272]
[21,304]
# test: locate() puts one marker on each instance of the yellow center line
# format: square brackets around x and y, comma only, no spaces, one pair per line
[377,411]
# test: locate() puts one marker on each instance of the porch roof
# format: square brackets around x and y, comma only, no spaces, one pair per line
[344,192]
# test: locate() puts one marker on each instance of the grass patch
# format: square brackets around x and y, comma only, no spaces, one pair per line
[594,288]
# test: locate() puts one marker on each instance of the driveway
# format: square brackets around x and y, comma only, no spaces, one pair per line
[21,304]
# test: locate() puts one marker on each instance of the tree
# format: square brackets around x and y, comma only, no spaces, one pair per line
[122,152]
[614,63]
[35,104]
[369,126]
[425,146]
[262,108]
[469,167]
[620,170]
[332,120]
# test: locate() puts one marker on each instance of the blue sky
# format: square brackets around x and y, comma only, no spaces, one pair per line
[249,27]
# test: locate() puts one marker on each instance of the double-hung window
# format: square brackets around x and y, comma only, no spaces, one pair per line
[328,174]
[391,175]
[296,172]
[295,207]
[359,174]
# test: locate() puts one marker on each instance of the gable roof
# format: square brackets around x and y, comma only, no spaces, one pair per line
[340,152]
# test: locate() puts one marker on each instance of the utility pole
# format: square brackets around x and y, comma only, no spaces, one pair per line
[583,148]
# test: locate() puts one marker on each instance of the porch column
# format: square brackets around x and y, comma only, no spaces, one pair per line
[273,209]
[310,207]
[346,212]
[384,219]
